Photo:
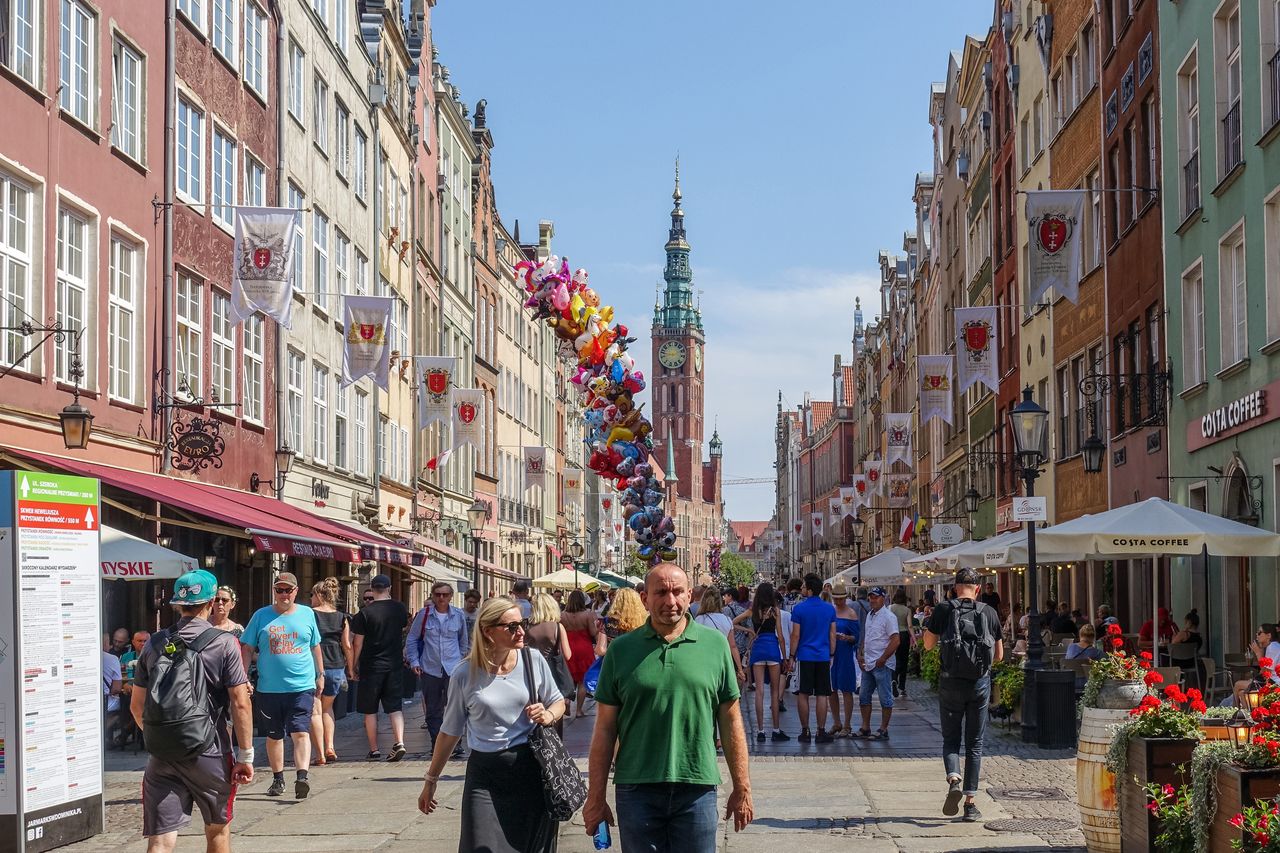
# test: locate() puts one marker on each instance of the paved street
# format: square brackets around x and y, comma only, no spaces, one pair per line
[886,796]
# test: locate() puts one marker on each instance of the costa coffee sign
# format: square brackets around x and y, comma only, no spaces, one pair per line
[1240,415]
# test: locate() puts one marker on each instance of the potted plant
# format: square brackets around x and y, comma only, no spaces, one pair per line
[1115,680]
[931,667]
[1007,680]
[1170,810]
[1259,827]
[1213,723]
[1152,747]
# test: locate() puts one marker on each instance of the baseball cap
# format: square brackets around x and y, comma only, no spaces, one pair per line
[287,578]
[380,582]
[968,576]
[877,590]
[195,587]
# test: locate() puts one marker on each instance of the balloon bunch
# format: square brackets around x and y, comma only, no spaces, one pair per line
[618,434]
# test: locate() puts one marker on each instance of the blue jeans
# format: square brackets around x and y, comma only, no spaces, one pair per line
[879,679]
[963,702]
[667,817]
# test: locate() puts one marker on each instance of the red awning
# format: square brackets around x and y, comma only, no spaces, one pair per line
[466,560]
[274,525]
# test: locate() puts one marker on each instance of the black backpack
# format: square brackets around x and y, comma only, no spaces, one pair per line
[967,650]
[177,717]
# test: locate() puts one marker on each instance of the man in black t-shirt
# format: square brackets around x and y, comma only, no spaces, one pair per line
[378,630]
[964,691]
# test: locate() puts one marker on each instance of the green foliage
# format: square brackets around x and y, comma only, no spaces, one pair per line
[1205,761]
[1172,810]
[1166,722]
[931,667]
[1010,678]
[1218,712]
[736,570]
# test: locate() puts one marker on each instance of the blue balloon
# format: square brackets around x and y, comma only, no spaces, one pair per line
[617,373]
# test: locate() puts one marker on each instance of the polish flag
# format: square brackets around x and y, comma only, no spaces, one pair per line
[908,528]
[436,462]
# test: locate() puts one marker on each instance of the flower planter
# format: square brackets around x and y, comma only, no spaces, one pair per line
[1149,760]
[1095,784]
[1237,788]
[1214,729]
[1117,695]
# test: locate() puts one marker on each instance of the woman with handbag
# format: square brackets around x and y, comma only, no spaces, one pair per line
[548,636]
[497,705]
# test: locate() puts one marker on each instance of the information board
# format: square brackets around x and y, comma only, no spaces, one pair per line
[51,696]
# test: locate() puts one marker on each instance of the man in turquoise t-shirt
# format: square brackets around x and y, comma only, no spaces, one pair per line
[286,641]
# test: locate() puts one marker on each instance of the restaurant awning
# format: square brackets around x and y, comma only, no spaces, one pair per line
[126,557]
[465,561]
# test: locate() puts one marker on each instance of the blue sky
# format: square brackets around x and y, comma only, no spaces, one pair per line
[800,127]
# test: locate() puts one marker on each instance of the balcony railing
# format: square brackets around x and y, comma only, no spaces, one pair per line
[1191,185]
[1232,152]
[1273,68]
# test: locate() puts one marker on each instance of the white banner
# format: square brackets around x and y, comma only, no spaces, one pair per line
[262,263]
[897,439]
[468,417]
[815,521]
[535,467]
[367,352]
[899,489]
[848,500]
[1054,219]
[572,487]
[837,512]
[860,490]
[435,378]
[873,470]
[935,387]
[978,353]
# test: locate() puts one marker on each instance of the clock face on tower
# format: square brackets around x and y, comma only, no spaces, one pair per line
[697,358]
[671,354]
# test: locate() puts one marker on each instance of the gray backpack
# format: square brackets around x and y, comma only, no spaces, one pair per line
[177,718]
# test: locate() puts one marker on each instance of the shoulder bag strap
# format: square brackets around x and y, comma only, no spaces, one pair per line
[527,659]
[207,636]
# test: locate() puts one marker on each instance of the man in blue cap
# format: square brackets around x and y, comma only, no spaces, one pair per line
[207,780]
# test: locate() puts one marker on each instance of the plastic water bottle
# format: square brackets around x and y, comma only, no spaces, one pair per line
[602,839]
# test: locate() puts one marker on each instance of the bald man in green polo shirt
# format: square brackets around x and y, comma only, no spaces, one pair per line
[665,688]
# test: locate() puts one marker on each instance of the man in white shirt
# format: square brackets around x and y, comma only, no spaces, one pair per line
[876,655]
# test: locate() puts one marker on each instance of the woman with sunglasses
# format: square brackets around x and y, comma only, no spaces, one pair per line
[503,810]
[336,653]
[224,602]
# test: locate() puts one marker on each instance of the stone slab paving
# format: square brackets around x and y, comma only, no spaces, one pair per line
[851,794]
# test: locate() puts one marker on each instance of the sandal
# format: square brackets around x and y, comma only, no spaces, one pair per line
[330,755]
[865,734]
[880,734]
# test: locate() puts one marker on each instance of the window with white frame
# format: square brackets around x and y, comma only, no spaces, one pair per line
[1037,113]
[341,262]
[1270,43]
[319,413]
[360,283]
[16,235]
[320,267]
[190,314]
[1070,82]
[295,378]
[222,349]
[360,434]
[1189,134]
[1193,345]
[252,369]
[1088,59]
[127,88]
[225,29]
[222,183]
[341,27]
[1271,246]
[385,450]
[297,92]
[402,327]
[76,256]
[1151,138]
[255,181]
[1233,299]
[1228,83]
[321,8]
[340,427]
[405,462]
[298,201]
[122,319]
[360,163]
[1093,247]
[320,112]
[78,60]
[255,47]
[190,144]
[194,11]
[20,52]
[342,138]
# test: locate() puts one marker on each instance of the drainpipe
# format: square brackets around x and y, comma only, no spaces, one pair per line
[281,347]
[376,497]
[169,333]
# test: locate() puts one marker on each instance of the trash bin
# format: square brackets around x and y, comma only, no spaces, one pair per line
[1056,708]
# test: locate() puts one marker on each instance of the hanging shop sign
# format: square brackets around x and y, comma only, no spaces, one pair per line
[197,444]
[1240,415]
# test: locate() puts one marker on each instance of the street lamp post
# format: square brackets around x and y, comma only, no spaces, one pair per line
[858,526]
[576,551]
[1029,420]
[476,517]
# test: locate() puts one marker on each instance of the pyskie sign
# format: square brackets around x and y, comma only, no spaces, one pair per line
[1239,415]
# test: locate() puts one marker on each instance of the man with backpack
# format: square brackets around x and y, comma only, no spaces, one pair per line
[438,641]
[189,679]
[968,633]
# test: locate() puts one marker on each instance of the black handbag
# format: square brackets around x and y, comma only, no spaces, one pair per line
[560,672]
[563,788]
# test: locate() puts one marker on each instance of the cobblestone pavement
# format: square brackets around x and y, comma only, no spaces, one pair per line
[886,797]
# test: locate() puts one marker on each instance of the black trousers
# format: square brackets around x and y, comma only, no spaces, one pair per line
[503,810]
[903,656]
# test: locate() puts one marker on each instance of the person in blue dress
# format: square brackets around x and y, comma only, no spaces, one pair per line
[844,666]
[766,657]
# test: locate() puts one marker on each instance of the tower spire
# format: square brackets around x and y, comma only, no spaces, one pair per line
[678,309]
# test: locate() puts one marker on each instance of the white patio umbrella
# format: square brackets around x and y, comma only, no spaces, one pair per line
[942,559]
[884,566]
[1008,549]
[567,579]
[1155,528]
[124,556]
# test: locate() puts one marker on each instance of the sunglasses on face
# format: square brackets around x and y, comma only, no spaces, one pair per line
[443,594]
[222,600]
[368,599]
[285,590]
[513,627]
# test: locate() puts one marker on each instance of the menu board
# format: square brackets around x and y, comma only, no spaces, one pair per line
[51,696]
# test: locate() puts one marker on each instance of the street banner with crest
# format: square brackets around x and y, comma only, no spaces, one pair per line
[468,417]
[435,378]
[1054,218]
[367,352]
[873,470]
[897,438]
[899,486]
[262,263]
[935,387]
[572,487]
[978,353]
[848,500]
[836,509]
[535,467]
[860,491]
[815,521]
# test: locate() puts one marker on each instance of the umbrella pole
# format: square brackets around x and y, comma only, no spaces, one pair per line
[1155,610]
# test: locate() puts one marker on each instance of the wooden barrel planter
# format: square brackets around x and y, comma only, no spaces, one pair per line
[1237,788]
[1095,784]
[1159,760]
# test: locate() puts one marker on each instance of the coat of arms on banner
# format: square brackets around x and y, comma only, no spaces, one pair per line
[367,320]
[873,470]
[374,334]
[799,526]
[435,379]
[262,263]
[899,490]
[848,500]
[977,339]
[836,508]
[1053,218]
[897,430]
[1053,233]
[975,330]
[468,425]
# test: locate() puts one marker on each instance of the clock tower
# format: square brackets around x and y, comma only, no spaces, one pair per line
[677,380]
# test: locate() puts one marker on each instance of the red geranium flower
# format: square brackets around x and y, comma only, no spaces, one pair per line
[1237,821]
[1145,655]
[1151,679]
[1265,662]
[1117,642]
[1114,629]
